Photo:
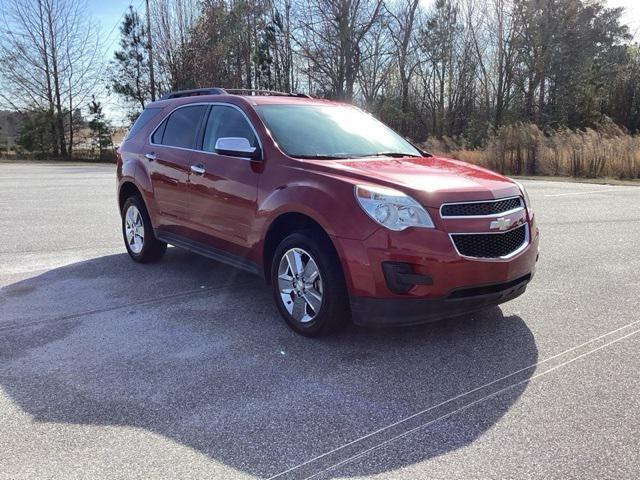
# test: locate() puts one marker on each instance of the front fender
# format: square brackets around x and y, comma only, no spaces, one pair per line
[331,204]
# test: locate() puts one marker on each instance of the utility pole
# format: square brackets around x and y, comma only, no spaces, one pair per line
[150,48]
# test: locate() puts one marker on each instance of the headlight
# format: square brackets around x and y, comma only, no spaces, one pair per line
[527,202]
[391,208]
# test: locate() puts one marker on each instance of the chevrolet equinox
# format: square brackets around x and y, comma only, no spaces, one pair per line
[343,217]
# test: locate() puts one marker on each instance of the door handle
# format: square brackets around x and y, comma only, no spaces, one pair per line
[198,169]
[150,156]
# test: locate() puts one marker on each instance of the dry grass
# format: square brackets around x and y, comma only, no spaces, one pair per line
[523,149]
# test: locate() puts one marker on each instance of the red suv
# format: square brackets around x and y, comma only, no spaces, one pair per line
[341,215]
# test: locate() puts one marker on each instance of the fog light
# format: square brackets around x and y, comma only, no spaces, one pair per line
[400,277]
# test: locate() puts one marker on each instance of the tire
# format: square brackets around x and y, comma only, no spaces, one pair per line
[296,298]
[145,248]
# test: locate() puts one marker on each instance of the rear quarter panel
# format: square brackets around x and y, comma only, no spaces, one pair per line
[133,166]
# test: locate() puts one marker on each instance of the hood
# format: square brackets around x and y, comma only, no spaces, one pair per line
[430,180]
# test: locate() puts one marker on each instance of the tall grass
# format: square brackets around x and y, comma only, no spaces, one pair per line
[523,149]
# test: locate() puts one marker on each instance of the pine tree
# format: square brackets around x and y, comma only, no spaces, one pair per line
[100,129]
[130,69]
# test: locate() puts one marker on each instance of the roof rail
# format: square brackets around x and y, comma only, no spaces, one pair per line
[235,91]
[252,91]
[193,93]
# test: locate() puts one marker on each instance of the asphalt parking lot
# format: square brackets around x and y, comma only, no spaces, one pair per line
[183,369]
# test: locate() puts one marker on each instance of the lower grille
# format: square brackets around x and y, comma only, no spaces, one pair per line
[471,292]
[490,245]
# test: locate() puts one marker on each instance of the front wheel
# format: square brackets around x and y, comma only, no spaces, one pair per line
[308,286]
[139,238]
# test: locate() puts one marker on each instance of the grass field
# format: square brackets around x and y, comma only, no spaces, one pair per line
[523,149]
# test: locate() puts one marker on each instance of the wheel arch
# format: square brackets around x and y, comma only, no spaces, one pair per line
[127,189]
[284,225]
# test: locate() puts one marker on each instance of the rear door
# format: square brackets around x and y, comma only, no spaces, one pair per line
[171,149]
[223,197]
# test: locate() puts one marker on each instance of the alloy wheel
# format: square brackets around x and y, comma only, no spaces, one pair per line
[134,229]
[300,285]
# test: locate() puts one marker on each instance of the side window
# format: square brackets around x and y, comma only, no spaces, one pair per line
[142,120]
[157,135]
[180,129]
[226,122]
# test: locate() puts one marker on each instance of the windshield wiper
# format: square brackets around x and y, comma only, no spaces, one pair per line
[320,156]
[337,156]
[392,154]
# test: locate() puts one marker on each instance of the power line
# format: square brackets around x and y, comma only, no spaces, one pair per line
[117,24]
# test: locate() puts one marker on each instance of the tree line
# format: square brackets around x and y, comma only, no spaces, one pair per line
[49,65]
[452,69]
[456,68]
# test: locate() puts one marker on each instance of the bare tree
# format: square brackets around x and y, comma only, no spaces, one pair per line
[494,34]
[403,35]
[48,52]
[330,35]
[80,66]
[438,43]
[172,25]
[376,63]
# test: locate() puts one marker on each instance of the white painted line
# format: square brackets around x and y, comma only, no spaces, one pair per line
[465,407]
[422,412]
[606,189]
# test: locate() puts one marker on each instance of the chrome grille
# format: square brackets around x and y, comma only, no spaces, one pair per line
[490,245]
[481,209]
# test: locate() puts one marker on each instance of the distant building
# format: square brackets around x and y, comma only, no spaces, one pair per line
[9,130]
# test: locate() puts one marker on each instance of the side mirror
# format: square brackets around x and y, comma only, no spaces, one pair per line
[236,147]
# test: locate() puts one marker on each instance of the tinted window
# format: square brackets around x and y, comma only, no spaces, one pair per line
[157,135]
[181,127]
[331,131]
[142,120]
[226,122]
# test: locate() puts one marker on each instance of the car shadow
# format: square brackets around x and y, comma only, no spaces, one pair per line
[195,351]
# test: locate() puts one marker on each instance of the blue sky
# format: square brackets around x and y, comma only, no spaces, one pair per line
[109,13]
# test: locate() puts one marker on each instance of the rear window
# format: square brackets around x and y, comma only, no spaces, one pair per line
[142,120]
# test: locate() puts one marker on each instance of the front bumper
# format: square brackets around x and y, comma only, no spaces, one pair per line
[431,254]
[441,271]
[382,312]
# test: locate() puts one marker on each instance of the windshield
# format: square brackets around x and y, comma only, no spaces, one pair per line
[326,131]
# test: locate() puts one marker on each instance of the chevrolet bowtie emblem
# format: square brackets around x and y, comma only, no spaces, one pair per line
[501,224]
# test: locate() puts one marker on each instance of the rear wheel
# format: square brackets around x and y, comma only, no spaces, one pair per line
[308,285]
[137,231]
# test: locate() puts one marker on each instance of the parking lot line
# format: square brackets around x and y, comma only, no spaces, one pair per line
[465,406]
[600,190]
[469,405]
